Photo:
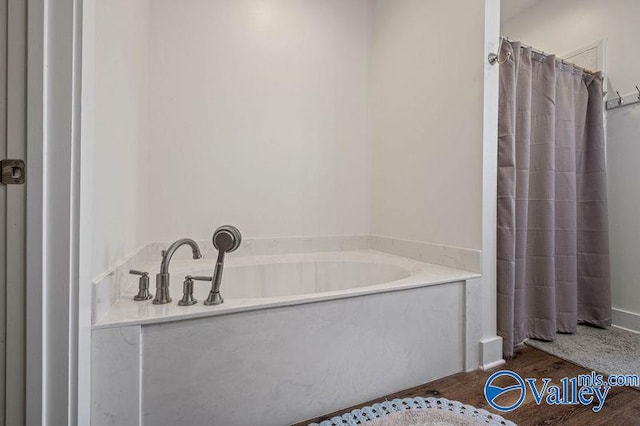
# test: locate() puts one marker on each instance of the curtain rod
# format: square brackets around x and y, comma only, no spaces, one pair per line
[493,58]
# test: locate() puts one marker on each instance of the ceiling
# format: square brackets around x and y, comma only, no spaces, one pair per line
[511,8]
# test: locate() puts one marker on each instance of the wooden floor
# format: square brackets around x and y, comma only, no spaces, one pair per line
[622,406]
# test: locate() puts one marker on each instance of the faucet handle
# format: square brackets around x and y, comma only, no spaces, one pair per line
[143,286]
[187,289]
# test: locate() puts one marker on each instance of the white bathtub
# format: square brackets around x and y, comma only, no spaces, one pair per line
[298,335]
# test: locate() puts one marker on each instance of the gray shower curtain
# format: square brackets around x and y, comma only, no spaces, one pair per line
[553,243]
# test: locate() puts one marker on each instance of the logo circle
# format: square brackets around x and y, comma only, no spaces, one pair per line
[491,392]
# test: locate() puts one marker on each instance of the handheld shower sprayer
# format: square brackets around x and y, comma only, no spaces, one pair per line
[225,239]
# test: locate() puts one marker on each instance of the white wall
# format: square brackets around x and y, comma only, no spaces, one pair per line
[271,100]
[623,154]
[259,118]
[427,103]
[121,126]
[565,26]
[562,27]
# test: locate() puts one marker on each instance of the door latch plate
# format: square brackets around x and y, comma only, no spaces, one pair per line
[13,172]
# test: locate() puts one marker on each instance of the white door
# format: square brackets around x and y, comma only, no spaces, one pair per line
[12,210]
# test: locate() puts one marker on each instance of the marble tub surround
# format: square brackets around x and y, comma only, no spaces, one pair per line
[269,246]
[266,281]
[299,335]
[115,376]
[110,286]
[453,257]
[282,365]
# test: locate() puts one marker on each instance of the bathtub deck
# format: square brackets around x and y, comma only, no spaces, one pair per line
[126,312]
[621,407]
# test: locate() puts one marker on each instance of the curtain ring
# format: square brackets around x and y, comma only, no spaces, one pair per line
[494,58]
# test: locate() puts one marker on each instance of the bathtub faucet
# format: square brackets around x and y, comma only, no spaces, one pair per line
[162,279]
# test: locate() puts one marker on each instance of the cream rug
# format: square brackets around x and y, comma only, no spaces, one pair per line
[605,350]
[418,412]
[429,416]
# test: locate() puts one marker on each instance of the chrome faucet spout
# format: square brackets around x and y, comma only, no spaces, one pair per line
[168,253]
[162,279]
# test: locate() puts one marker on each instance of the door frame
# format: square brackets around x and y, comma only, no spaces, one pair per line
[14,58]
[53,215]
[35,184]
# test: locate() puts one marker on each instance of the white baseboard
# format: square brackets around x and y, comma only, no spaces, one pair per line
[491,353]
[625,319]
[493,365]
